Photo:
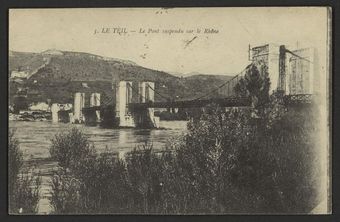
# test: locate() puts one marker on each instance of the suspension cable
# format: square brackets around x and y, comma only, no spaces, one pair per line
[165,97]
[227,82]
[298,56]
[136,92]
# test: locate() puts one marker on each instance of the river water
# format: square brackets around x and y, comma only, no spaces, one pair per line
[35,140]
[35,137]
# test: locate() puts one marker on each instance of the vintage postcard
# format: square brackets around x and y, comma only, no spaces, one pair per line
[169,111]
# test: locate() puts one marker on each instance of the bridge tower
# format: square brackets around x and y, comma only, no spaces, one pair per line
[269,56]
[146,118]
[123,98]
[132,92]
[55,109]
[95,101]
[145,92]
[79,104]
[282,69]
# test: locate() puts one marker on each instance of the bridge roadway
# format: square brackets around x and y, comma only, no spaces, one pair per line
[224,102]
[289,100]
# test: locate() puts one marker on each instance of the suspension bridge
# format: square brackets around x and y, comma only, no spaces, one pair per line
[133,103]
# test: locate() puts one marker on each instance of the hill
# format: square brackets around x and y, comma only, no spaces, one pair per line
[57,75]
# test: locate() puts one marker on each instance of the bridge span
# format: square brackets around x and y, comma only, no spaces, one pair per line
[288,100]
[132,103]
[223,102]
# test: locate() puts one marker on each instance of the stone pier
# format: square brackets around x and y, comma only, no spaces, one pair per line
[123,98]
[61,112]
[95,101]
[91,114]
[79,104]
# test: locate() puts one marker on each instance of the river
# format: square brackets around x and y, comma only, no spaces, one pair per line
[35,137]
[35,140]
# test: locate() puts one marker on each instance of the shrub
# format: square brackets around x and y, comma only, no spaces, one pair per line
[65,197]
[73,152]
[144,171]
[27,191]
[294,144]
[211,156]
[70,148]
[104,187]
[228,162]
[85,181]
[23,184]
[15,160]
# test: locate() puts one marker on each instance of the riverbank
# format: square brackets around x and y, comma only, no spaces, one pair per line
[30,116]
[44,168]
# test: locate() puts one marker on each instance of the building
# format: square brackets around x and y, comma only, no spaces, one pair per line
[41,106]
[19,74]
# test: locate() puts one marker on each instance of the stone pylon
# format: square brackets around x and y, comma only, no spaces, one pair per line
[123,98]
[143,92]
[79,104]
[95,101]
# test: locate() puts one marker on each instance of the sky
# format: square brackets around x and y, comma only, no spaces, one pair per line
[224,52]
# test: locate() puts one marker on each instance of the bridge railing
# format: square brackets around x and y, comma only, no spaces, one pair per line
[298,99]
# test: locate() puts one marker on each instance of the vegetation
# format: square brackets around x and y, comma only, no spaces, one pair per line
[70,148]
[23,184]
[260,159]
[227,163]
[23,61]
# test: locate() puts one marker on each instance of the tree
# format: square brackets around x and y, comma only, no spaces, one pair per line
[255,84]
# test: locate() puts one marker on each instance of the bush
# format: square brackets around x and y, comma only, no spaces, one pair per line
[70,148]
[260,159]
[144,170]
[228,162]
[15,160]
[272,163]
[65,197]
[104,186]
[212,155]
[73,152]
[85,181]
[23,184]
[294,144]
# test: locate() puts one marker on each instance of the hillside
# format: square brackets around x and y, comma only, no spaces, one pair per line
[57,75]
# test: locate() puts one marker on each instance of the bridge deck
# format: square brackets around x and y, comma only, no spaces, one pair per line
[92,108]
[225,102]
[289,100]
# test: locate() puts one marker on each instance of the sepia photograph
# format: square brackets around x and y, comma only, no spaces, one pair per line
[169,111]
